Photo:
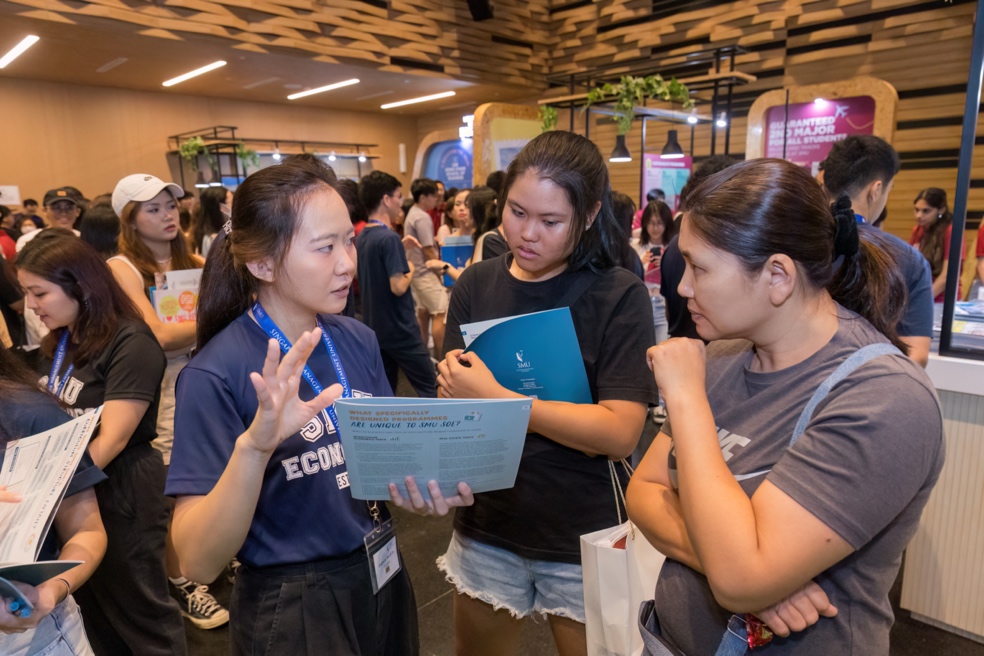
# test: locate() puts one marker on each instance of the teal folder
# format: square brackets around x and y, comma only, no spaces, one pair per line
[535,355]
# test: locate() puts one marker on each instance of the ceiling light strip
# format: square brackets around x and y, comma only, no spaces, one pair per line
[19,49]
[446,94]
[194,73]
[330,87]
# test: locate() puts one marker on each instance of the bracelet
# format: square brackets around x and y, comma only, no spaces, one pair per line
[68,587]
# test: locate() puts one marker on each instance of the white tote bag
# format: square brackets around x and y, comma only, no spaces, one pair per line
[619,575]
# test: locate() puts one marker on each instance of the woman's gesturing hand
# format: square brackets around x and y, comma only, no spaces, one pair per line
[281,413]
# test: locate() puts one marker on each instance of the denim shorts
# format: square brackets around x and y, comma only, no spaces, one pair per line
[504,580]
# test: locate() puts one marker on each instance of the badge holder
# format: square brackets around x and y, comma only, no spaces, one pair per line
[382,551]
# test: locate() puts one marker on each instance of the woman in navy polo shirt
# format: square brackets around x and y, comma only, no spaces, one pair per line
[257,465]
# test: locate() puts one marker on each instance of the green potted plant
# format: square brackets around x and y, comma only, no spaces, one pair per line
[247,156]
[630,92]
[190,150]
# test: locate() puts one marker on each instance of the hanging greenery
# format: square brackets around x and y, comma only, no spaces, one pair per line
[247,156]
[630,92]
[191,148]
[548,118]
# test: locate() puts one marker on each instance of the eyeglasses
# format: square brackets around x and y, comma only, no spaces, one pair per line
[62,208]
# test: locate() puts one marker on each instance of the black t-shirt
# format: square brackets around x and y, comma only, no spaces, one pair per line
[494,245]
[381,256]
[560,493]
[27,413]
[671,267]
[130,367]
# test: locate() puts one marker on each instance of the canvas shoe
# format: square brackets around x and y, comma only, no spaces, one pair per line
[198,605]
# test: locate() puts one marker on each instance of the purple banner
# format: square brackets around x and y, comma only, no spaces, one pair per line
[815,126]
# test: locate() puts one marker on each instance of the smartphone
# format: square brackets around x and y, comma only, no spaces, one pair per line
[656,251]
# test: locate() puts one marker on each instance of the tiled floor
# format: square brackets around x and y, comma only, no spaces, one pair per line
[423,539]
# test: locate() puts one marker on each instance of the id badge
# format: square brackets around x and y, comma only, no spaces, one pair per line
[384,557]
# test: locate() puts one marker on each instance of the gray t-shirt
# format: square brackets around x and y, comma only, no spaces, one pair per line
[865,467]
[420,225]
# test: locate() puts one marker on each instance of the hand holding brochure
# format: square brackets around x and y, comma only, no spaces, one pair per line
[475,441]
[175,297]
[535,354]
[39,468]
[456,251]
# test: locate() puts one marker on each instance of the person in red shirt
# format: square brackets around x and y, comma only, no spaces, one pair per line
[931,235]
[980,255]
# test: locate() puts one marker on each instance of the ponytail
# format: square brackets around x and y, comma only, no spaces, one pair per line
[264,220]
[871,283]
[226,291]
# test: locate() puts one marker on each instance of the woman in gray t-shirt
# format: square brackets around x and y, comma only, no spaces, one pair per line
[808,538]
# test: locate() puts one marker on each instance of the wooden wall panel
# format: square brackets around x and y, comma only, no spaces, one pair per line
[922,48]
[437,34]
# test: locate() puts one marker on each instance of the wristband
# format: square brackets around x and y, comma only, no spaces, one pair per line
[68,587]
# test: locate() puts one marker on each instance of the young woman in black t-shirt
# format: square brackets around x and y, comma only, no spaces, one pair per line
[100,352]
[516,552]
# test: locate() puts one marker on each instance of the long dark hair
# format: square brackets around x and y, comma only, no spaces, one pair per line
[665,215]
[208,214]
[60,257]
[574,164]
[933,243]
[133,247]
[264,220]
[481,205]
[758,208]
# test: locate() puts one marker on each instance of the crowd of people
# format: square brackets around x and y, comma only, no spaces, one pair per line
[219,455]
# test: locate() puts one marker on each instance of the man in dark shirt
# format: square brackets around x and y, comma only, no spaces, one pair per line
[864,168]
[384,284]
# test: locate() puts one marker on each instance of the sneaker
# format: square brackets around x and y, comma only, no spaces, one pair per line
[659,415]
[199,606]
[231,570]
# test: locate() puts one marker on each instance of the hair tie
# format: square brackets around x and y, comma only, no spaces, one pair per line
[227,227]
[846,241]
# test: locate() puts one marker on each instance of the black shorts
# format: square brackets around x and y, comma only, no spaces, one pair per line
[325,607]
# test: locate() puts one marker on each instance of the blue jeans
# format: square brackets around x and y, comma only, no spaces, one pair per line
[59,634]
[522,586]
[659,316]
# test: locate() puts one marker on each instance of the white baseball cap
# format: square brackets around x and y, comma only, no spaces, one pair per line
[140,187]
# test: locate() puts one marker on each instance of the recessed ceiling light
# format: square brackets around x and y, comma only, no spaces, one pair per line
[446,94]
[194,73]
[17,50]
[110,65]
[330,87]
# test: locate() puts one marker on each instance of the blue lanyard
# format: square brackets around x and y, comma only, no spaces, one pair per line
[268,325]
[57,365]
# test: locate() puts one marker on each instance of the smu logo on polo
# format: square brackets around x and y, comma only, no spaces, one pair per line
[322,423]
[324,458]
[71,392]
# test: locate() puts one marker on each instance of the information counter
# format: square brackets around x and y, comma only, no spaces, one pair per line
[943,583]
